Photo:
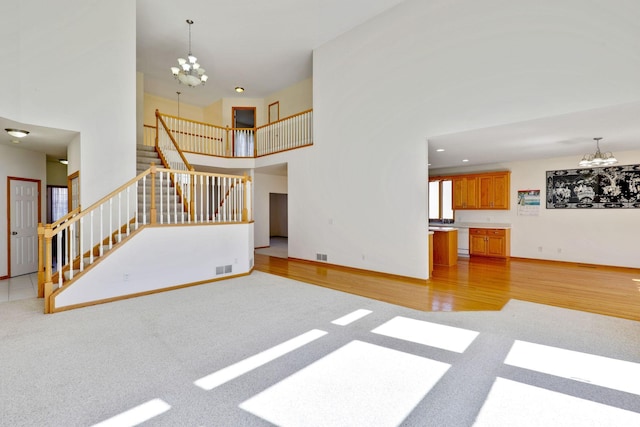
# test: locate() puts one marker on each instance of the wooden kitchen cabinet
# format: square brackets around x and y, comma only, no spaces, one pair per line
[481,191]
[493,191]
[491,242]
[465,192]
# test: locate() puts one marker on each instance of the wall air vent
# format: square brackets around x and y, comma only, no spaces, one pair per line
[321,257]
[224,269]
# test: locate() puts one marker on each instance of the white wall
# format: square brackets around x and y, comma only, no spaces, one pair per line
[265,184]
[431,68]
[597,236]
[18,163]
[99,38]
[161,257]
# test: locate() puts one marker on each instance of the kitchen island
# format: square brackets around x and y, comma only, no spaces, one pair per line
[445,245]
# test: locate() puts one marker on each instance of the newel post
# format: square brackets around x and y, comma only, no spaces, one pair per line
[48,284]
[245,211]
[157,113]
[255,142]
[40,260]
[152,208]
[226,141]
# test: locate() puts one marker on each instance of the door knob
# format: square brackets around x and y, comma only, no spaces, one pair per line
[13,233]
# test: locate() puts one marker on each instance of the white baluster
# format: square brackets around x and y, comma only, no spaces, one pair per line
[91,237]
[81,251]
[175,201]
[101,230]
[59,255]
[161,174]
[110,222]
[119,217]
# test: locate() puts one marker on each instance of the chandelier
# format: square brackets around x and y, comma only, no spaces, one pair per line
[598,158]
[188,71]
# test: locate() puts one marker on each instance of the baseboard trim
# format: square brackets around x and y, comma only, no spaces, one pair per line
[362,271]
[577,264]
[55,309]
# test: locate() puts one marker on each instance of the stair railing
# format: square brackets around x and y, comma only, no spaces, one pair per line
[172,158]
[141,201]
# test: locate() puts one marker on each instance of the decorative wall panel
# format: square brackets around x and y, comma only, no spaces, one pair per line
[612,187]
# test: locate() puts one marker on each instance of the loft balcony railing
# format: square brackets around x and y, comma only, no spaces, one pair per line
[191,136]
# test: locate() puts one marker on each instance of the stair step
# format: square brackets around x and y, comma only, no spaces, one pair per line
[145,148]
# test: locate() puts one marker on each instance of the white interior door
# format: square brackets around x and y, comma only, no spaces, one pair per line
[23,226]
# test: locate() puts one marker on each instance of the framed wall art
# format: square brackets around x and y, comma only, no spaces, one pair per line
[611,187]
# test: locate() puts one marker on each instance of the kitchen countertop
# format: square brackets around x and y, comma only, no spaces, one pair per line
[439,228]
[470,225]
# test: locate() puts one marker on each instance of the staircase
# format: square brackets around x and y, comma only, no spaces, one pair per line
[146,155]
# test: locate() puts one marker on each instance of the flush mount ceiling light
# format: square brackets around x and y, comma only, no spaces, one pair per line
[598,158]
[440,150]
[64,161]
[189,71]
[18,133]
[239,89]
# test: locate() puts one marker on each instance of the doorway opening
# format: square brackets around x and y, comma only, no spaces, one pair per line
[278,225]
[243,123]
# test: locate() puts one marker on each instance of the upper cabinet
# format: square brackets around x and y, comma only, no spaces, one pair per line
[493,191]
[465,192]
[481,191]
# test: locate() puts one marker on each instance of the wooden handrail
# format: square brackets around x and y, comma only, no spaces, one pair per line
[65,217]
[286,118]
[175,144]
[103,200]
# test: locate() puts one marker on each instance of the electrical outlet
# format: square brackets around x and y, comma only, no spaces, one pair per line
[539,248]
[125,277]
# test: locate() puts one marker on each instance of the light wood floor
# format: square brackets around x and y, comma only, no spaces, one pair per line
[480,284]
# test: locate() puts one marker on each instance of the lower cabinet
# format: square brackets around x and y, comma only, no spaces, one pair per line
[492,242]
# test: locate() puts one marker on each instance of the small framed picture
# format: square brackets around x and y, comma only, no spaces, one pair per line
[274,112]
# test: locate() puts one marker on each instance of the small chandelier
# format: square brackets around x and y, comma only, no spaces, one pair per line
[598,158]
[189,72]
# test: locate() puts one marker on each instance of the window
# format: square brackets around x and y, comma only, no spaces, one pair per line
[57,203]
[440,200]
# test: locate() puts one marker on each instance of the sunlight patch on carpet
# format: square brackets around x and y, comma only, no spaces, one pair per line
[360,384]
[237,369]
[511,403]
[351,317]
[589,368]
[137,415]
[427,333]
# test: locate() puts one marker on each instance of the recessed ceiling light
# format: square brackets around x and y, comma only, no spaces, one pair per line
[465,160]
[239,89]
[18,133]
[440,150]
